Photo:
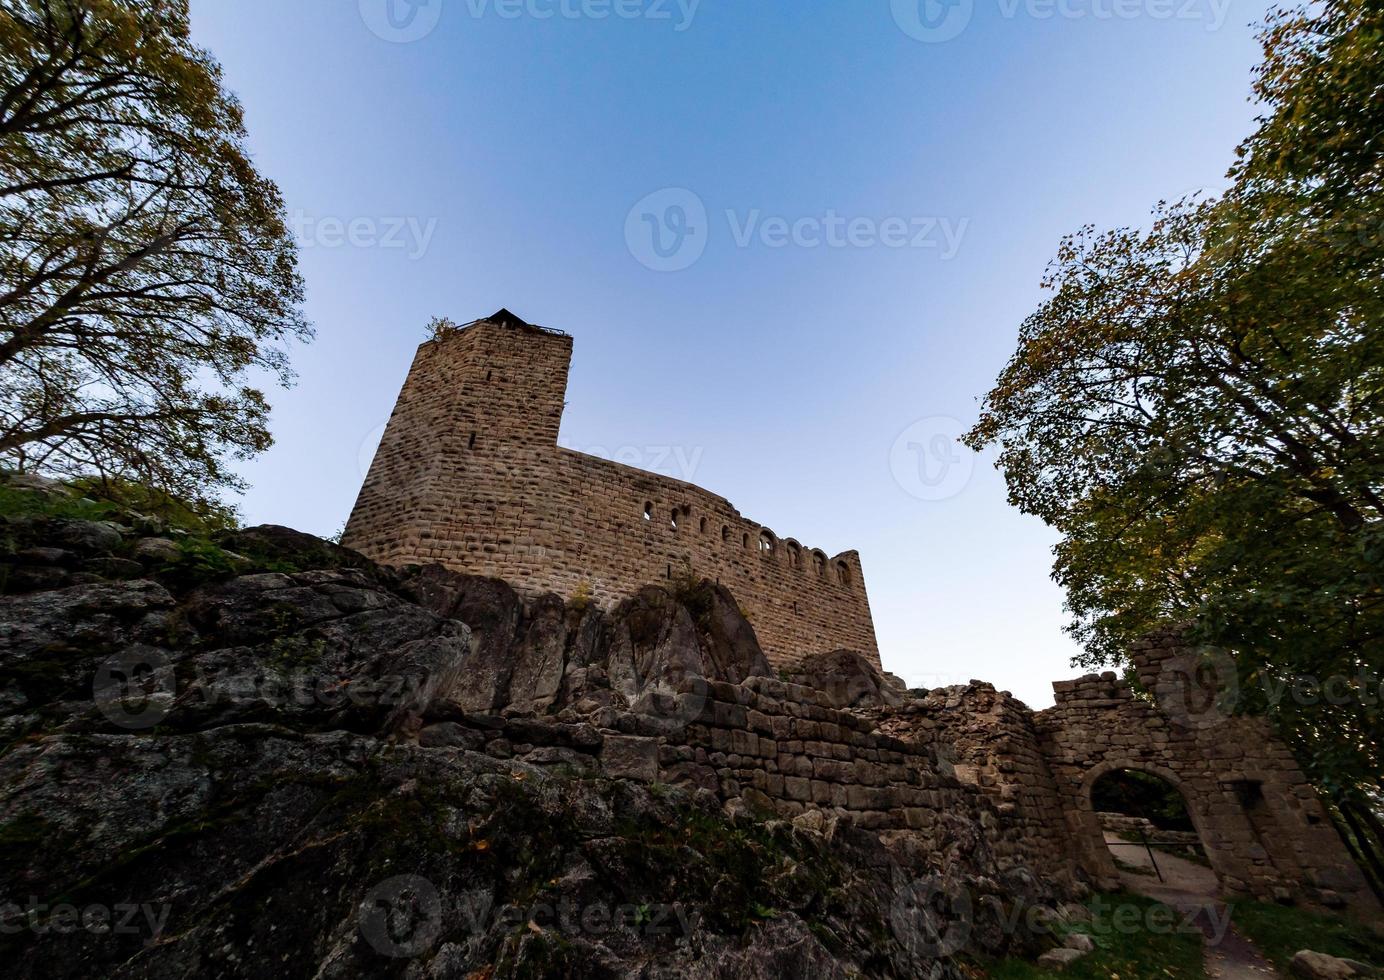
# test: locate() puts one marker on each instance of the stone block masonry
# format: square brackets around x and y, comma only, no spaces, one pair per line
[469,475]
[1262,826]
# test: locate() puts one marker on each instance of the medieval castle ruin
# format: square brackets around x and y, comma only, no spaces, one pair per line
[469,476]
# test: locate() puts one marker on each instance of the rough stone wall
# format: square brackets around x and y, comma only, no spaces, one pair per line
[1133,828]
[1262,826]
[787,743]
[990,739]
[780,749]
[469,475]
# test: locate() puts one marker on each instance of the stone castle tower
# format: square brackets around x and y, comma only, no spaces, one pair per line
[469,475]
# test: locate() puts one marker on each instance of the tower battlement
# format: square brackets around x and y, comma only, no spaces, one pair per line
[469,475]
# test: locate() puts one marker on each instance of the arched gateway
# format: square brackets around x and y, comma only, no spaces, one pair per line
[1262,827]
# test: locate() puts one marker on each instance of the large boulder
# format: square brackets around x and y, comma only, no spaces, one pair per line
[848,679]
[323,649]
[731,648]
[276,548]
[540,656]
[653,644]
[1311,965]
[258,768]
[494,613]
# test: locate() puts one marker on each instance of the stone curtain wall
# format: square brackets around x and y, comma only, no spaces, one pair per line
[469,475]
[789,744]
[1260,822]
[779,749]
[990,739]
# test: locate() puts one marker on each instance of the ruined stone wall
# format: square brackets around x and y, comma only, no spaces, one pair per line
[1260,822]
[1135,828]
[990,739]
[787,743]
[469,475]
[778,749]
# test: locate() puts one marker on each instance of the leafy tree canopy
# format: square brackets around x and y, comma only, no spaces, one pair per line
[1199,406]
[146,272]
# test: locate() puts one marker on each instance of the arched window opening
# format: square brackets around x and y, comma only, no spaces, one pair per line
[795,555]
[767,544]
[725,532]
[843,573]
[674,519]
[746,541]
[819,563]
[649,511]
[702,526]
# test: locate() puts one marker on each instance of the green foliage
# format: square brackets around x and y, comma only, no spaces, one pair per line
[149,272]
[17,502]
[1280,931]
[441,327]
[1198,409]
[685,584]
[581,597]
[1139,794]
[200,515]
[202,561]
[1139,953]
[25,830]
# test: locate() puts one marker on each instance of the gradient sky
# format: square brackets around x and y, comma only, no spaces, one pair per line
[882,185]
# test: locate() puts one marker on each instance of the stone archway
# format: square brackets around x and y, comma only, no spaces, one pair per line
[1260,824]
[1095,853]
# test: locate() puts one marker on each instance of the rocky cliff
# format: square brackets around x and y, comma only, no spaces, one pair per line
[257,754]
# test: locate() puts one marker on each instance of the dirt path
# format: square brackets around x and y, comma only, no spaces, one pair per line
[1193,890]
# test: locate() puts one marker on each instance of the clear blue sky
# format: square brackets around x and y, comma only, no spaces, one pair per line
[896,179]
